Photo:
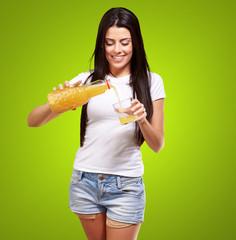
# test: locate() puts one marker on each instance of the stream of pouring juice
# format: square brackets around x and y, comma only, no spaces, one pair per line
[96,90]
[71,98]
[124,119]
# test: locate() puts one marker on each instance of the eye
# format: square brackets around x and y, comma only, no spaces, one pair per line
[125,44]
[109,44]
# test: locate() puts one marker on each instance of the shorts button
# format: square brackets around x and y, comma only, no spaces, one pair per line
[101,178]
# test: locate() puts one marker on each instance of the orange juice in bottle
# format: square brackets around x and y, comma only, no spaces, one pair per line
[62,100]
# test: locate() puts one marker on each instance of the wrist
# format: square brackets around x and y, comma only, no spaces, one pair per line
[142,121]
[48,109]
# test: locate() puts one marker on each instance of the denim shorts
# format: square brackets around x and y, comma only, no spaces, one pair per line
[122,198]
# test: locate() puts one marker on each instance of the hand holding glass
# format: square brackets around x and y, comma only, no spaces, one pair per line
[123,111]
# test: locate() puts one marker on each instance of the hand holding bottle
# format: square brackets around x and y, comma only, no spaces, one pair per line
[68,98]
[67,85]
[43,114]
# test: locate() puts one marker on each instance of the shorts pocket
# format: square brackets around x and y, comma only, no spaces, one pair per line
[133,187]
[75,177]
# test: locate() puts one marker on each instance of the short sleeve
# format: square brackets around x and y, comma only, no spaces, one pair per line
[82,76]
[157,87]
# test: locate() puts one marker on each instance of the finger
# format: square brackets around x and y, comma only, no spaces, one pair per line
[137,106]
[123,110]
[120,110]
[66,84]
[60,86]
[141,118]
[134,101]
[76,83]
[140,111]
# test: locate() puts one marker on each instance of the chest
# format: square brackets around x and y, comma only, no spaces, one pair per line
[100,107]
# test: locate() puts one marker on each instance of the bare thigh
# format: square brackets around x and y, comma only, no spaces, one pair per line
[126,233]
[95,228]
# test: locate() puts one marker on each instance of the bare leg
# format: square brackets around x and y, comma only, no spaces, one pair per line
[94,227]
[126,233]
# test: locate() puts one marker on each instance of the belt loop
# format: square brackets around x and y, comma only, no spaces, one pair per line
[80,175]
[118,182]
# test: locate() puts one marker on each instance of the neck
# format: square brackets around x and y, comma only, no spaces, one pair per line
[119,73]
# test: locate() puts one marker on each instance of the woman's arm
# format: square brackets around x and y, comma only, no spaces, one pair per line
[153,132]
[43,114]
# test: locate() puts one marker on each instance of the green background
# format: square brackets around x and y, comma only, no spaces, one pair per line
[189,184]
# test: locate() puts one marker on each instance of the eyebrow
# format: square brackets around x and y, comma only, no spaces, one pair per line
[111,39]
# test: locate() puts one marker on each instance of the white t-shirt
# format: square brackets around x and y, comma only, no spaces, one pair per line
[110,147]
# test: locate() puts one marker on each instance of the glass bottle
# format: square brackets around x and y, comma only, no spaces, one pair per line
[62,100]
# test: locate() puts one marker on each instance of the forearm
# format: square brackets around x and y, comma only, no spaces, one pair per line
[153,137]
[41,115]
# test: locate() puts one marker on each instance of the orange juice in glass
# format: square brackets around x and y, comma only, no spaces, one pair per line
[123,111]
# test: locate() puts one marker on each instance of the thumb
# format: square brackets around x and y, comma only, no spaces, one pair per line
[124,110]
[76,84]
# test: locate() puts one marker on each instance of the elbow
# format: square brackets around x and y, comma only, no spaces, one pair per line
[158,147]
[32,123]
[29,123]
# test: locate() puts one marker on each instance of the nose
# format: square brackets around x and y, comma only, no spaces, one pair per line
[117,48]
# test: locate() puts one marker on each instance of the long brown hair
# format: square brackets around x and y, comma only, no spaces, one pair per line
[140,71]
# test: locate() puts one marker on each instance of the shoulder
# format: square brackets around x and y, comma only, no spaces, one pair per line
[154,77]
[156,86]
[84,75]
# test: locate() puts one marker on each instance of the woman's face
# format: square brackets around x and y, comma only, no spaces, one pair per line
[118,50]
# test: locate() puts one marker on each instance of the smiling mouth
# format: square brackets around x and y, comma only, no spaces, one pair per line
[118,58]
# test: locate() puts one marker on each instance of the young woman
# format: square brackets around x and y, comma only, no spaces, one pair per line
[106,187]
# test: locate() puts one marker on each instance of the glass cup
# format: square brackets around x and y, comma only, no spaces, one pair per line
[123,111]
